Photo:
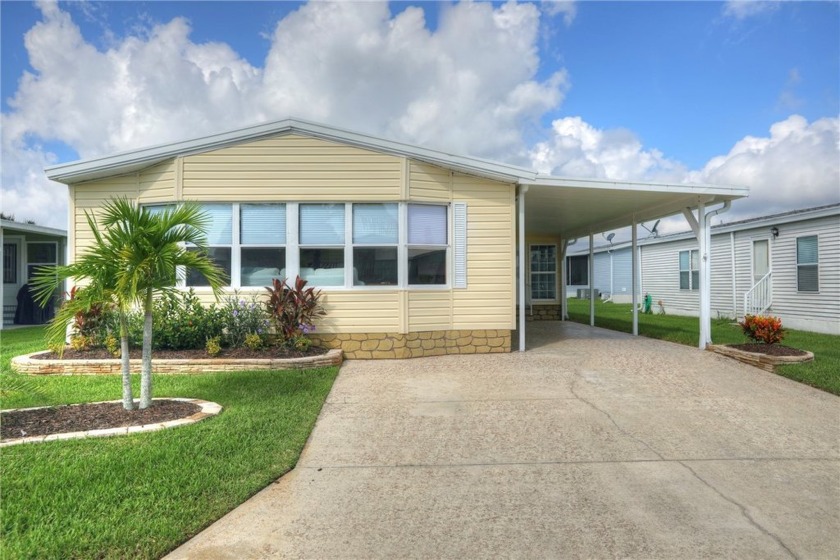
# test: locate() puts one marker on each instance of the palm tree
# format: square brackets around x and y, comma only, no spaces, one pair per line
[99,268]
[147,249]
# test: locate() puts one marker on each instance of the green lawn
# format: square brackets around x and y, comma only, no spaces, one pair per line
[823,372]
[141,496]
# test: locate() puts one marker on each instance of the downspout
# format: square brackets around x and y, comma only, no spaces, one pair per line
[734,275]
[706,264]
[522,264]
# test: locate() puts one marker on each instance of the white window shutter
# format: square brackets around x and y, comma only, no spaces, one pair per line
[459,217]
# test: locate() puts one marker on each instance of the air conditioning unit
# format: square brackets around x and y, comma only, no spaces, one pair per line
[583,293]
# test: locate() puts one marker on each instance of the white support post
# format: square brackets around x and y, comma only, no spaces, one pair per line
[522,265]
[591,280]
[563,301]
[705,292]
[635,281]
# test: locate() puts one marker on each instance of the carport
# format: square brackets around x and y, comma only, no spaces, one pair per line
[567,209]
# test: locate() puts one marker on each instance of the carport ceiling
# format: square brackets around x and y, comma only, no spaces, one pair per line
[574,208]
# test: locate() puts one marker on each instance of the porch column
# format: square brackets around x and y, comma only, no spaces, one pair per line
[522,264]
[563,301]
[591,280]
[635,282]
[2,287]
[700,227]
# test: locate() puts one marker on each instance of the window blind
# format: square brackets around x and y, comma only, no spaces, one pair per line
[262,224]
[322,224]
[427,224]
[375,223]
[220,226]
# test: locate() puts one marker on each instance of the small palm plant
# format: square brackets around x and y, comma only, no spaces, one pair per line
[135,258]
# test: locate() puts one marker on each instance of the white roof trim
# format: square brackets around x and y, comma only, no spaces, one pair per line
[134,160]
[32,228]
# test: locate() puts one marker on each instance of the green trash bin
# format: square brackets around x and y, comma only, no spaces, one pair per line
[648,303]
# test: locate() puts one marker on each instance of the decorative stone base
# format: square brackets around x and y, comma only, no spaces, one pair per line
[370,346]
[763,361]
[27,364]
[543,312]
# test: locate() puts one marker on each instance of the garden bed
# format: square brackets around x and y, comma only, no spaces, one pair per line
[764,356]
[191,361]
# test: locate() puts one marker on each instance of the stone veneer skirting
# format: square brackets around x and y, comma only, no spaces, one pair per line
[28,364]
[763,361]
[369,346]
[544,312]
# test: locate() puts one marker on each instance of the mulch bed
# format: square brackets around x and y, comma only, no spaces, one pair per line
[195,354]
[90,416]
[768,349]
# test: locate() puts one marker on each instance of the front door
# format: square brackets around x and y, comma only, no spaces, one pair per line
[12,276]
[761,259]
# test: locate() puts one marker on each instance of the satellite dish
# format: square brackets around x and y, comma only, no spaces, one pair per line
[653,230]
[610,237]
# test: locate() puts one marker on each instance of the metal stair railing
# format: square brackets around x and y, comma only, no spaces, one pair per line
[759,298]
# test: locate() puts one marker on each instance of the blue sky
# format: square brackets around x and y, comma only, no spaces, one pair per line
[673,91]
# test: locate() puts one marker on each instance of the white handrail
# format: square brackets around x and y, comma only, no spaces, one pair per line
[759,298]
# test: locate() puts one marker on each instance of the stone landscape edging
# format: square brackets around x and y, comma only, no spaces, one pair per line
[30,365]
[208,408]
[763,361]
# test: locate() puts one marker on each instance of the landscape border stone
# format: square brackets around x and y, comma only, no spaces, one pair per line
[763,361]
[30,365]
[208,408]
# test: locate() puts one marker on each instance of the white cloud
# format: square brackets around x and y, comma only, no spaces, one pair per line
[468,87]
[744,9]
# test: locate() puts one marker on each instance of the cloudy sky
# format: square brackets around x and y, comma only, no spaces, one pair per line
[740,93]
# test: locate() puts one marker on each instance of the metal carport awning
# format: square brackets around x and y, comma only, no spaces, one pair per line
[572,208]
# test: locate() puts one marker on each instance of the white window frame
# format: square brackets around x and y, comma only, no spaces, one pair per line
[532,273]
[690,270]
[30,263]
[239,245]
[293,247]
[815,265]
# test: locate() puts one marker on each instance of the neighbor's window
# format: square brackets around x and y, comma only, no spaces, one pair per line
[428,239]
[10,267]
[322,237]
[578,272]
[219,241]
[543,272]
[39,254]
[262,244]
[689,270]
[807,264]
[375,240]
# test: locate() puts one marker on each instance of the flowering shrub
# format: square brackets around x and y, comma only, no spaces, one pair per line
[182,322]
[293,311]
[243,318]
[763,328]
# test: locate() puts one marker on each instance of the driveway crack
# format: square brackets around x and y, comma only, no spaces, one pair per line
[743,509]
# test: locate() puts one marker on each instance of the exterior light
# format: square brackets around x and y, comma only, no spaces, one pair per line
[775,231]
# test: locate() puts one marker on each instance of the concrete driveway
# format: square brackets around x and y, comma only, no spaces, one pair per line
[592,444]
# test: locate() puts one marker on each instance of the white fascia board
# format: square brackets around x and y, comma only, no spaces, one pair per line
[31,228]
[719,192]
[134,160]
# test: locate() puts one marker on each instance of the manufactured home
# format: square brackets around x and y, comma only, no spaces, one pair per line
[25,247]
[417,251]
[786,264]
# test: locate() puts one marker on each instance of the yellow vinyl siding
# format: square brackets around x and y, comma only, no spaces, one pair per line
[429,183]
[360,312]
[91,196]
[157,183]
[292,168]
[488,302]
[429,311]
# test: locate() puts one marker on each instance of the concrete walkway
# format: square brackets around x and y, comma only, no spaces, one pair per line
[592,444]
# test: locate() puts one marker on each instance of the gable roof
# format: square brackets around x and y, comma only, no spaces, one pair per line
[556,205]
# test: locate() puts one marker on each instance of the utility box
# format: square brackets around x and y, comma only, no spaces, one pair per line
[583,293]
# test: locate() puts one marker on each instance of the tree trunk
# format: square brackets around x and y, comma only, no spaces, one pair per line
[128,397]
[146,370]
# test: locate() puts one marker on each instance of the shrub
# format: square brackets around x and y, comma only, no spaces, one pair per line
[243,319]
[293,310]
[180,321]
[763,328]
[253,341]
[112,343]
[93,324]
[213,346]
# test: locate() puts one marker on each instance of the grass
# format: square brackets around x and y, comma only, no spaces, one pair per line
[141,496]
[823,373]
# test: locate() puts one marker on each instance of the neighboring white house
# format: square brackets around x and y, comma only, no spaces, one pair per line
[25,247]
[787,265]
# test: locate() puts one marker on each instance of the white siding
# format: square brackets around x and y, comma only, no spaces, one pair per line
[661,276]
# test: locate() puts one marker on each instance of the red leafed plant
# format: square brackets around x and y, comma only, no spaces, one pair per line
[293,309]
[763,328]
